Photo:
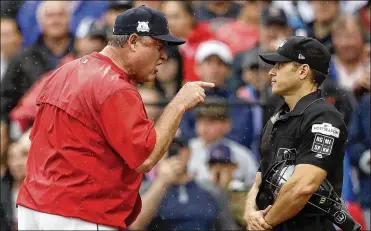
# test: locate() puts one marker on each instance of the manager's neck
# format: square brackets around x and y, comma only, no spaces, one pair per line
[119,58]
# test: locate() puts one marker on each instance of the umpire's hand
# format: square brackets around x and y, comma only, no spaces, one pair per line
[255,220]
[191,94]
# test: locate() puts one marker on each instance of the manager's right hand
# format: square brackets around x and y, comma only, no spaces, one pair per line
[191,94]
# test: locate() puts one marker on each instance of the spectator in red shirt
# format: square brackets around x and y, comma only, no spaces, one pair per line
[243,33]
[183,23]
[92,141]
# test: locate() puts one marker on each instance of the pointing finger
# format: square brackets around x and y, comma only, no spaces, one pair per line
[205,84]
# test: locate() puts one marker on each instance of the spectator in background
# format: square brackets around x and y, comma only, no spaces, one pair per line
[11,42]
[214,59]
[153,191]
[325,13]
[359,152]
[274,29]
[243,33]
[155,4]
[222,165]
[184,203]
[17,158]
[151,96]
[30,64]
[183,24]
[6,213]
[299,13]
[4,141]
[6,209]
[10,8]
[31,28]
[113,10]
[212,125]
[170,74]
[347,66]
[90,37]
[365,82]
[217,12]
[256,79]
[364,14]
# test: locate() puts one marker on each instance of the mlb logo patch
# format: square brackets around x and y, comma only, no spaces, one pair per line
[143,27]
[322,144]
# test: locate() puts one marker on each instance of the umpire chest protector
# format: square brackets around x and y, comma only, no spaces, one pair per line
[312,133]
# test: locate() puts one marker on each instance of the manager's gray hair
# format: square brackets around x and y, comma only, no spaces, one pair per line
[118,40]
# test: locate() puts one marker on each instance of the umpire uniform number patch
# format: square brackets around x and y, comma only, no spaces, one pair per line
[322,145]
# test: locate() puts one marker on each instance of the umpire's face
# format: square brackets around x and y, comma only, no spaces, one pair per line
[287,78]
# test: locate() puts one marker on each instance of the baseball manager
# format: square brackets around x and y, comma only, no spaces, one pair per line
[91,140]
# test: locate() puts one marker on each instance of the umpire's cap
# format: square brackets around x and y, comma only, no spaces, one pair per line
[303,50]
[145,21]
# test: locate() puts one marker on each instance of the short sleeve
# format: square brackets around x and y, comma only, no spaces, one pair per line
[323,141]
[126,127]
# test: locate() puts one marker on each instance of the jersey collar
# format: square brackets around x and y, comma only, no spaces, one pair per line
[302,104]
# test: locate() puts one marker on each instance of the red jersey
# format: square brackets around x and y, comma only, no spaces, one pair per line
[25,111]
[90,133]
[244,36]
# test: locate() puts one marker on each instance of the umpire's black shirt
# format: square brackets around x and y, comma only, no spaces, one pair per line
[315,129]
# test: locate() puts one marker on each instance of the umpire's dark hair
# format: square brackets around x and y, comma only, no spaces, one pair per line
[317,76]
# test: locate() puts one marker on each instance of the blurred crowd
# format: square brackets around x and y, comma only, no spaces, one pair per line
[202,182]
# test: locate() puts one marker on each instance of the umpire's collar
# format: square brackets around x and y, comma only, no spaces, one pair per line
[302,104]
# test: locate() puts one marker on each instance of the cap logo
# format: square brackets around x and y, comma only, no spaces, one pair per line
[283,43]
[301,56]
[143,27]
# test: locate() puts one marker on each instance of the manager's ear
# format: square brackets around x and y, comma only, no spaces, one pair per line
[133,41]
[304,71]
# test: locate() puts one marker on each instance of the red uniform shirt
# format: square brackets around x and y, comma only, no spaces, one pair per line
[90,132]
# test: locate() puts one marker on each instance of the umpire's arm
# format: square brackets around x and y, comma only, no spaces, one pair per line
[313,164]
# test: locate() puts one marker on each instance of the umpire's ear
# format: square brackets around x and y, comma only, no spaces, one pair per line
[304,71]
[133,41]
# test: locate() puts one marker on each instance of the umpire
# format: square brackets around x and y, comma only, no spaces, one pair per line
[305,130]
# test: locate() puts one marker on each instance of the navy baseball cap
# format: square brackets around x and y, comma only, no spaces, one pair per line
[303,50]
[145,21]
[221,153]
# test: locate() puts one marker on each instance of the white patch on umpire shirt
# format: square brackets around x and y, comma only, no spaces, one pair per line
[322,145]
[326,129]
